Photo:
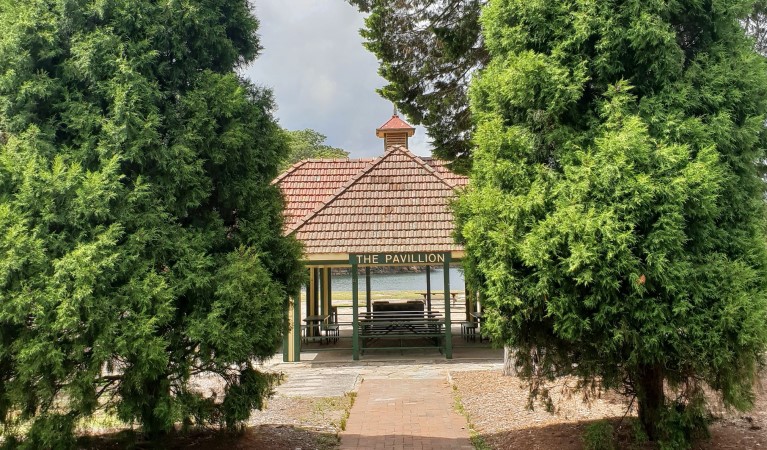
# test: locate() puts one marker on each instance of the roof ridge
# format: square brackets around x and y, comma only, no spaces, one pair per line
[337,193]
[426,166]
[303,162]
[337,159]
[290,170]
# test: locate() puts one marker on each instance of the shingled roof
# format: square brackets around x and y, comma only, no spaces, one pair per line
[395,203]
[442,168]
[308,183]
[395,124]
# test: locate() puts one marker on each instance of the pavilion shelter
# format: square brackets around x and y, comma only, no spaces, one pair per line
[359,213]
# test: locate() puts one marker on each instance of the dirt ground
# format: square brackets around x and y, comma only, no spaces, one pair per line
[288,423]
[496,407]
[262,437]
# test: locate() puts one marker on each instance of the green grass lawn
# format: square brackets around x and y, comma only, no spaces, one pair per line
[344,298]
[379,295]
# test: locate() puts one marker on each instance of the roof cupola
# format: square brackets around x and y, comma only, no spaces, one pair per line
[395,131]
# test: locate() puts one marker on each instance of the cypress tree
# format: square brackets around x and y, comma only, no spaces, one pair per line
[428,51]
[615,218]
[140,239]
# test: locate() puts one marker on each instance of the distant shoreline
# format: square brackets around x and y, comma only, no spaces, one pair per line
[385,269]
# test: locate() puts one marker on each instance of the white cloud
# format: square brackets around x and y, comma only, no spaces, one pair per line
[322,76]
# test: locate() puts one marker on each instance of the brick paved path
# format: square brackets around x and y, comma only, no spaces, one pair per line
[405,414]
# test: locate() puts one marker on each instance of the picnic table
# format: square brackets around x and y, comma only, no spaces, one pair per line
[313,324]
[440,294]
[401,325]
[480,317]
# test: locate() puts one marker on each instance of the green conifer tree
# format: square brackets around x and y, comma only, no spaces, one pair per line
[140,239]
[428,51]
[615,216]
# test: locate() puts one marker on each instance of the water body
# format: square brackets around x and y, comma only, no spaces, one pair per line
[401,281]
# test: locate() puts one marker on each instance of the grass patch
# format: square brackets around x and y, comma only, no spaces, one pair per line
[599,436]
[99,422]
[328,441]
[476,439]
[326,412]
[351,396]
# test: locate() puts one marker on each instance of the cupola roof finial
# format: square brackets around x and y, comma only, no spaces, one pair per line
[395,131]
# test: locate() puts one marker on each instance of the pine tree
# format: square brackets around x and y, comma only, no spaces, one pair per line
[428,50]
[615,216]
[140,239]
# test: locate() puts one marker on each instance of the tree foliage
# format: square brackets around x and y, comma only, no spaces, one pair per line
[428,51]
[308,144]
[140,238]
[615,215]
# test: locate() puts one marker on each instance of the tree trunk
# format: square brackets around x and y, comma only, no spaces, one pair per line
[154,425]
[509,362]
[651,399]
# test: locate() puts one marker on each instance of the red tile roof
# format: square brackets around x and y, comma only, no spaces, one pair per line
[309,182]
[442,167]
[395,203]
[395,124]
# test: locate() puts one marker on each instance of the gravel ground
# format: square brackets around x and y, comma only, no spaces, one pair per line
[323,413]
[288,422]
[496,407]
[735,430]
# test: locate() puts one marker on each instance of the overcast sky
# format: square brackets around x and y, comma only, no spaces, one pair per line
[321,75]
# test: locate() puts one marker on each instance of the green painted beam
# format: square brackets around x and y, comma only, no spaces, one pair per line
[288,335]
[355,315]
[428,288]
[448,322]
[368,297]
[297,328]
[309,284]
[330,288]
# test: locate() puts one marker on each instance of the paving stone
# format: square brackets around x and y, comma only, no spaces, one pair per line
[401,413]
[317,384]
[399,405]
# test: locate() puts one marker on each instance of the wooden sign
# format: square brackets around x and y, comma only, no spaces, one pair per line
[390,259]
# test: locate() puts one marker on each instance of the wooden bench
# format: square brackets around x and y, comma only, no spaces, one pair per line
[330,326]
[410,305]
[401,325]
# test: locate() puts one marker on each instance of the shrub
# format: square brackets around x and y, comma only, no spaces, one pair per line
[599,436]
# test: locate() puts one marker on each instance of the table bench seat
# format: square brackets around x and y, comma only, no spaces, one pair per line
[401,328]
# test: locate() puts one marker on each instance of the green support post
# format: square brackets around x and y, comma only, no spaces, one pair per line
[448,323]
[355,315]
[288,335]
[297,329]
[428,288]
[368,301]
[330,288]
